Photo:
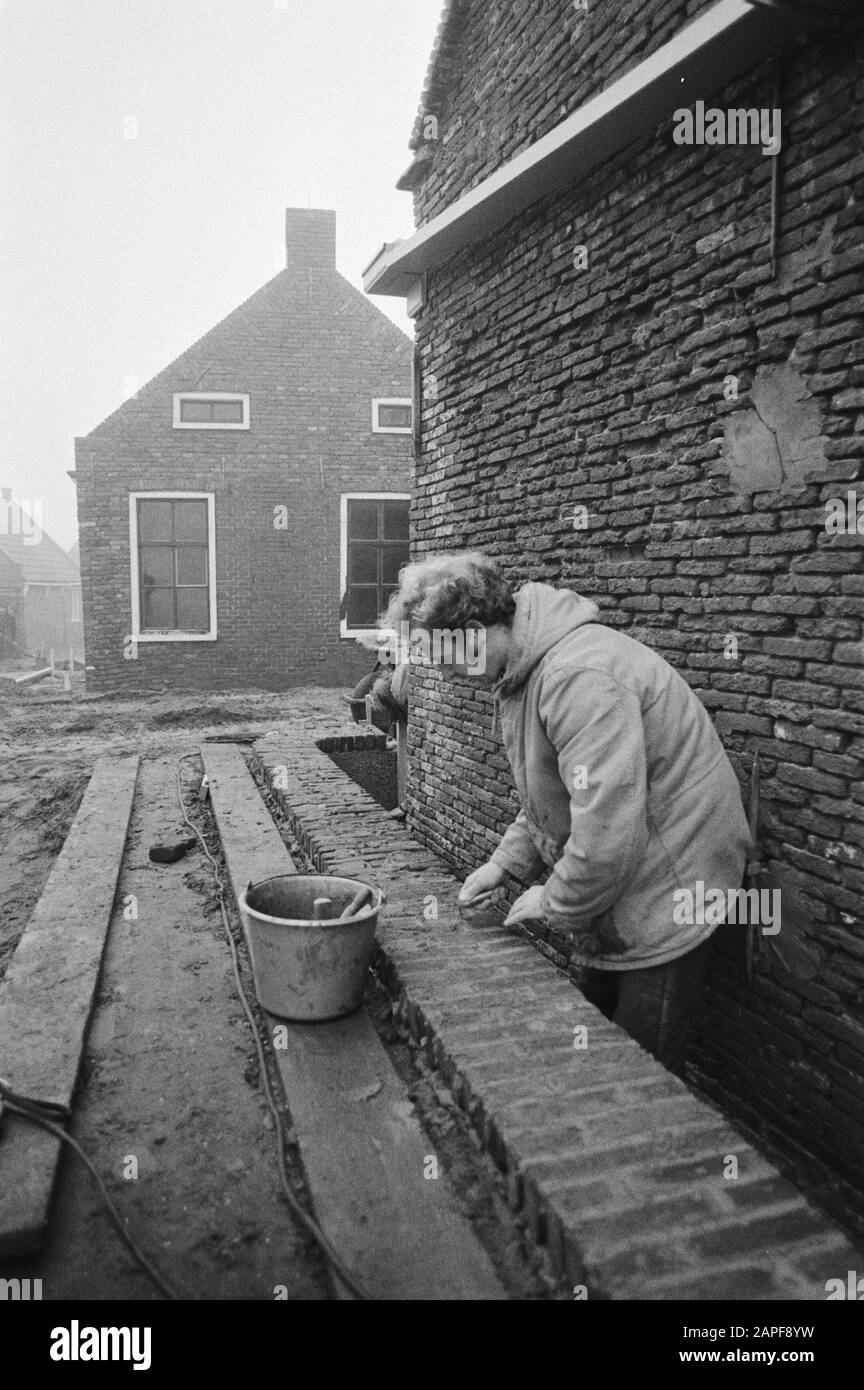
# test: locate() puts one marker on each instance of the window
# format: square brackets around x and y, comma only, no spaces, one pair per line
[173,566]
[210,410]
[392,415]
[374,548]
[74,605]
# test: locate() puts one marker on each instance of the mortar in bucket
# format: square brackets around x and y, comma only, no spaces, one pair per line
[308,961]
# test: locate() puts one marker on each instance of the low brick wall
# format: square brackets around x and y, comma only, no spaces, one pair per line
[620,1170]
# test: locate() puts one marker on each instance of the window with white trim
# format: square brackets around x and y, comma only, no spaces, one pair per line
[211,410]
[374,547]
[173,566]
[392,415]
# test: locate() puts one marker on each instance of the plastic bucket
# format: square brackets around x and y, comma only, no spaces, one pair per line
[307,969]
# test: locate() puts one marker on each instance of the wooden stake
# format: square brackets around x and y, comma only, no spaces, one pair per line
[401,761]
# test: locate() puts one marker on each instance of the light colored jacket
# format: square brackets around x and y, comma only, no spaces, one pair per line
[626,790]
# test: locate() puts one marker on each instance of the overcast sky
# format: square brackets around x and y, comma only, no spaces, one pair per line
[149,150]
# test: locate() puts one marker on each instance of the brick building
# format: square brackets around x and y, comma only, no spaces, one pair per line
[40,587]
[641,375]
[228,508]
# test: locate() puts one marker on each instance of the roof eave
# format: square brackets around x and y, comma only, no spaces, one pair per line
[732,37]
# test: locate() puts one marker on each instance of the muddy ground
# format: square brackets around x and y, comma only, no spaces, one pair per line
[49,743]
[171,1077]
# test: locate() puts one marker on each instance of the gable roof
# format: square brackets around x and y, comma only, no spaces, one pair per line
[40,560]
[309,292]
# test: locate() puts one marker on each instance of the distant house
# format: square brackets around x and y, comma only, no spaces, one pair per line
[244,516]
[40,588]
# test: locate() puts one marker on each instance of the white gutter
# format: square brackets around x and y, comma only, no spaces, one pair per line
[730,38]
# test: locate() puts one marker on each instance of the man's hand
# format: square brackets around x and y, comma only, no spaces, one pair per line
[479,886]
[527,907]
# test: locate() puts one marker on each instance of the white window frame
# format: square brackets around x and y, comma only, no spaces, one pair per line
[392,429]
[345,498]
[210,424]
[170,635]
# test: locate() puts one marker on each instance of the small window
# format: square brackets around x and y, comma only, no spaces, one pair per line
[392,416]
[173,567]
[374,549]
[74,605]
[219,410]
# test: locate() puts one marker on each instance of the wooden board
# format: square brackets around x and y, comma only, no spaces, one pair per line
[365,1155]
[47,994]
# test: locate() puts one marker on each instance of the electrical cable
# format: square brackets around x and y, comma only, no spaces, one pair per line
[37,1113]
[40,1113]
[333,1259]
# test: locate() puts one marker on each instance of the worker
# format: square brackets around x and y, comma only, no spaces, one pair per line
[626,792]
[387,687]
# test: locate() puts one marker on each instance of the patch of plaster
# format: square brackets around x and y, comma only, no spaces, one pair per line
[777,440]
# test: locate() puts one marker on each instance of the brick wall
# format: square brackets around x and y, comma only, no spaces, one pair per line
[312,353]
[546,388]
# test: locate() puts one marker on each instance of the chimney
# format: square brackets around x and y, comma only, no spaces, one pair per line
[310,238]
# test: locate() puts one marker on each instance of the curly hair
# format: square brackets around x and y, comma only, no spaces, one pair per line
[446,591]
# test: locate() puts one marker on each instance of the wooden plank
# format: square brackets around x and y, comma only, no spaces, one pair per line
[47,994]
[257,849]
[365,1155]
[375,1178]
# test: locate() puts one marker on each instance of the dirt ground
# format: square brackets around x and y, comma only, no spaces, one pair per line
[170,1077]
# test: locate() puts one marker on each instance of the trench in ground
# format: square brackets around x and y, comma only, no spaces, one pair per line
[373,769]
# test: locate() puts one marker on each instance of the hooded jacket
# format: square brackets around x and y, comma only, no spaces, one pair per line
[626,791]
